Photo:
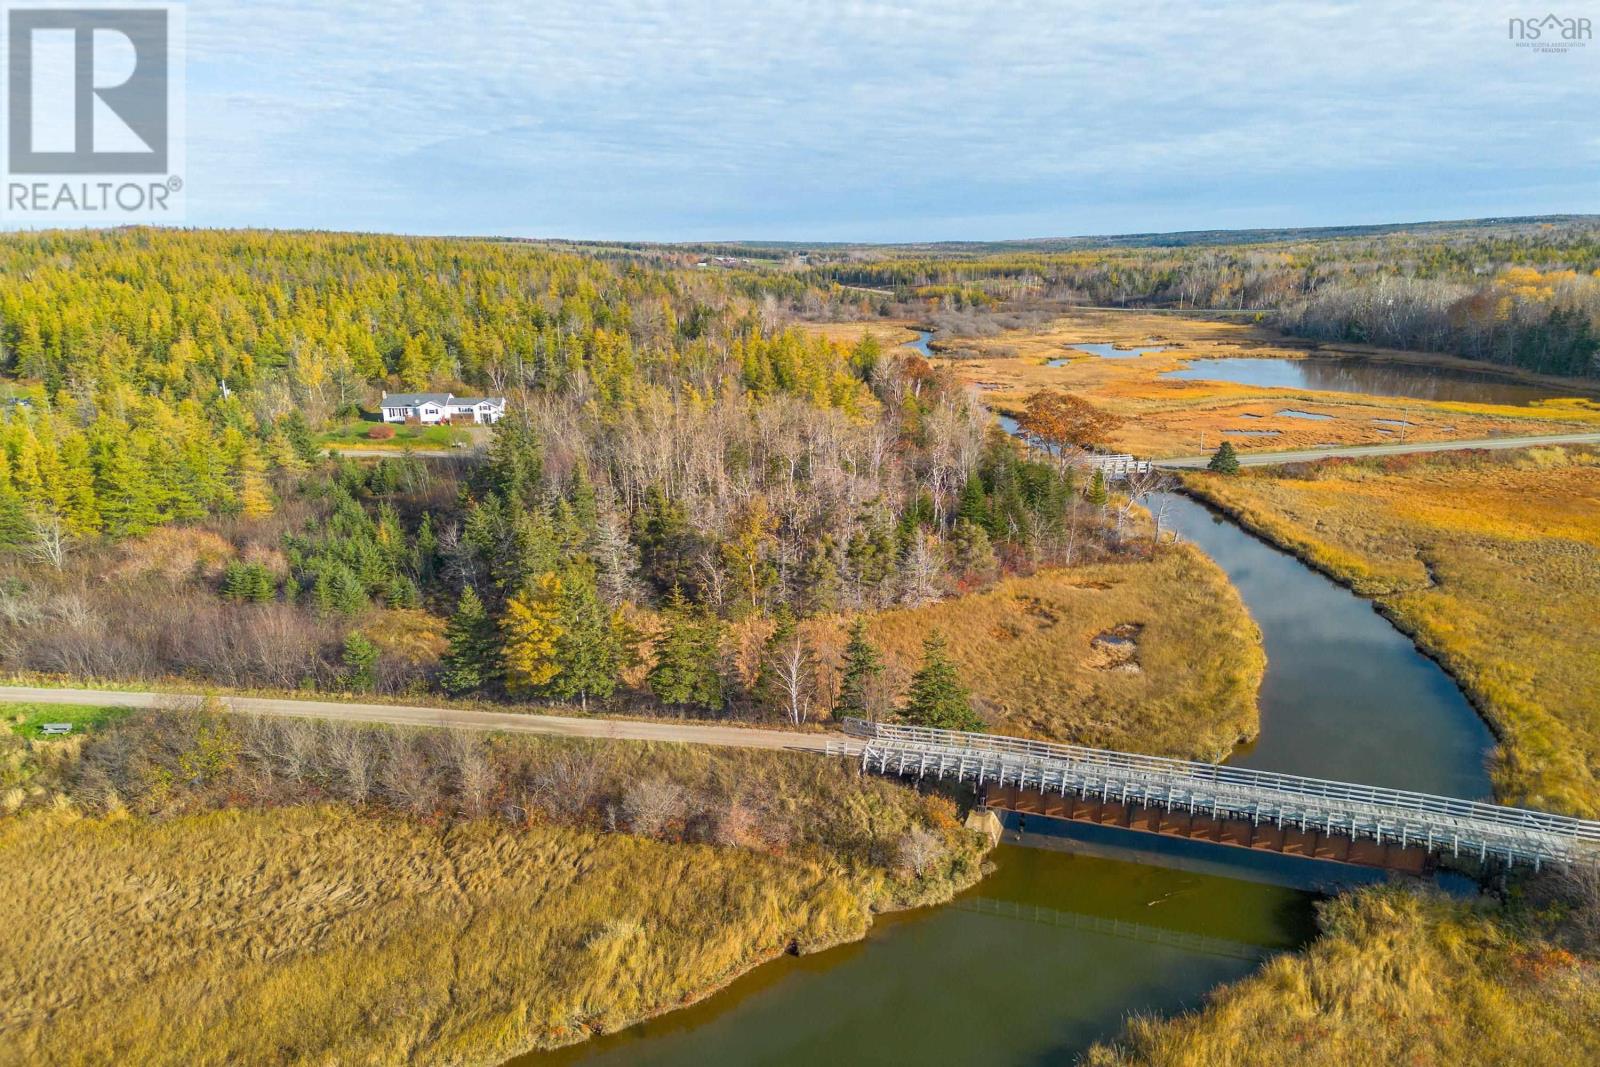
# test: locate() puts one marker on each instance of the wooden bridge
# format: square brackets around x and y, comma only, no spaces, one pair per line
[1228,805]
[1116,467]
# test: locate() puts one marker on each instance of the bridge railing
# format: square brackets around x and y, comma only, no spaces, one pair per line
[1116,466]
[955,744]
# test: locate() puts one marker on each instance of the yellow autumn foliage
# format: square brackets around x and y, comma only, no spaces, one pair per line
[531,627]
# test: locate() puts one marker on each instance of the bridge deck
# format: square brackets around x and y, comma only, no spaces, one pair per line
[1433,823]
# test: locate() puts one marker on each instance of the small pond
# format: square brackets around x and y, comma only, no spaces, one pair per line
[1108,351]
[1356,375]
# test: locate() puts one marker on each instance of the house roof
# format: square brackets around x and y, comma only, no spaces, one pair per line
[474,401]
[414,400]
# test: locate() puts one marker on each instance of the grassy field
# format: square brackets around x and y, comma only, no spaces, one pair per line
[1027,650]
[27,720]
[1397,978]
[1172,417]
[890,333]
[406,435]
[1491,561]
[311,935]
[225,915]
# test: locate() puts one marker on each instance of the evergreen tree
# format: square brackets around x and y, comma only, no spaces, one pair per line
[1225,460]
[820,576]
[248,581]
[668,543]
[866,355]
[122,488]
[936,697]
[514,467]
[919,514]
[16,527]
[472,661]
[593,645]
[974,505]
[298,433]
[872,553]
[686,672]
[360,663]
[974,551]
[384,479]
[1099,493]
[513,546]
[581,494]
[338,590]
[426,552]
[863,666]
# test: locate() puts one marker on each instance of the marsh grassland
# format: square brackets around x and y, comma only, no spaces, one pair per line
[1035,652]
[481,899]
[1171,417]
[1491,562]
[1397,977]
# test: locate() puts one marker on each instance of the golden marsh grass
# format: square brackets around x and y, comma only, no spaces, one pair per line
[1491,562]
[1026,650]
[1397,978]
[320,933]
[1168,417]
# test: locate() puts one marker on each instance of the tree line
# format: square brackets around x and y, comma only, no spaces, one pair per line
[1524,295]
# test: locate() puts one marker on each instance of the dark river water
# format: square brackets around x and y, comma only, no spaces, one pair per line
[1371,377]
[1346,696]
[1065,939]
[1044,957]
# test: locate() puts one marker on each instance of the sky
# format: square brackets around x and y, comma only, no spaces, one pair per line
[863,121]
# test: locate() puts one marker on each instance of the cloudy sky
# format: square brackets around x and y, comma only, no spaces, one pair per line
[907,120]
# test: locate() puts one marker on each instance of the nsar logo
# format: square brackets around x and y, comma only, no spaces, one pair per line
[1552,33]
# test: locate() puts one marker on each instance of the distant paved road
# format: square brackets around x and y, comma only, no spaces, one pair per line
[409,715]
[1263,459]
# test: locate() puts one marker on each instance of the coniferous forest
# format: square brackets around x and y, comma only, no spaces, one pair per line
[682,480]
[686,474]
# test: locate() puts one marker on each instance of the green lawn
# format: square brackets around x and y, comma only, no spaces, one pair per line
[28,719]
[355,433]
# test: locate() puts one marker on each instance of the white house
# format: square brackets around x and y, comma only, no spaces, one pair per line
[431,408]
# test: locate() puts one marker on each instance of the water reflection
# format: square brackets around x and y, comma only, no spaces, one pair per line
[1356,375]
[1045,957]
[1346,696]
[1108,351]
[1055,949]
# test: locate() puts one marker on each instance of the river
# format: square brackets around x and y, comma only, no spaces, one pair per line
[1065,939]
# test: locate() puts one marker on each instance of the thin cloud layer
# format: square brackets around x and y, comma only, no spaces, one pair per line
[874,121]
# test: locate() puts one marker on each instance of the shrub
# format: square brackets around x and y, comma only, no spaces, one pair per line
[381,432]
[651,805]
